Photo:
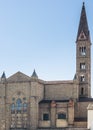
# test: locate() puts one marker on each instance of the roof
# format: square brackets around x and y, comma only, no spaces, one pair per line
[59,82]
[49,101]
[82,99]
[83,25]
[18,77]
[85,99]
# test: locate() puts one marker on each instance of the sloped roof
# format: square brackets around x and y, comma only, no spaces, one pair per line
[83,25]
[85,99]
[18,77]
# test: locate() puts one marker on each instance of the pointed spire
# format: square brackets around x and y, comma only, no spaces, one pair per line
[34,75]
[3,77]
[75,77]
[83,25]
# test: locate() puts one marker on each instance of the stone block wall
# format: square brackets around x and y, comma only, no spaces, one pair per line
[61,90]
[81,109]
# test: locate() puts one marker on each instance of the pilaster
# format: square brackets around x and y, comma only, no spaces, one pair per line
[71,112]
[33,113]
[53,114]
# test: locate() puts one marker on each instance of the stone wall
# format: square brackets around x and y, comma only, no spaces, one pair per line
[61,90]
[81,109]
[53,109]
[2,106]
[80,124]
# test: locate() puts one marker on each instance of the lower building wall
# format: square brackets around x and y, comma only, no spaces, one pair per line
[61,90]
[63,128]
[61,123]
[80,124]
[44,123]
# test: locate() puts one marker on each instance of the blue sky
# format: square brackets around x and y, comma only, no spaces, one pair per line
[41,35]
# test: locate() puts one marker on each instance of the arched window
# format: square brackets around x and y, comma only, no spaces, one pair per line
[13,108]
[82,66]
[82,51]
[82,78]
[19,105]
[25,107]
[61,116]
[19,115]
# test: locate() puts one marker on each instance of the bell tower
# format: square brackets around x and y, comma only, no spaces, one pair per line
[83,56]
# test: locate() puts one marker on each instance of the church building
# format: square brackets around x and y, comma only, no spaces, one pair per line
[29,103]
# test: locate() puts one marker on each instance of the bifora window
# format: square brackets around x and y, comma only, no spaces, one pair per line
[45,116]
[82,51]
[61,116]
[82,66]
[82,78]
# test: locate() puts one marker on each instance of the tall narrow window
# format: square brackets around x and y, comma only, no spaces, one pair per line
[25,107]
[19,105]
[82,91]
[46,117]
[82,66]
[13,108]
[61,116]
[82,51]
[82,78]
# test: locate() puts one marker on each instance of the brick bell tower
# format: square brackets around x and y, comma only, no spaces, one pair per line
[83,56]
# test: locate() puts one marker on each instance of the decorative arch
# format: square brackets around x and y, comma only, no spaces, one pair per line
[19,110]
[17,94]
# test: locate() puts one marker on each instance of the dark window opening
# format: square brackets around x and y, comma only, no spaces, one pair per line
[45,117]
[24,98]
[82,91]
[82,51]
[61,116]
[82,66]
[82,78]
[13,99]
